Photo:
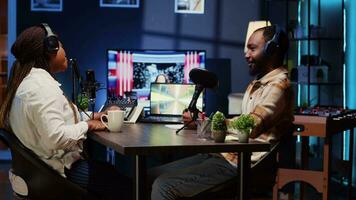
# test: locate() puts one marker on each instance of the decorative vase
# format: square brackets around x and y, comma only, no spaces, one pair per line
[243,135]
[219,136]
[203,128]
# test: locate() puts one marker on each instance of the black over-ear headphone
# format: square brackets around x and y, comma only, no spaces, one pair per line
[273,44]
[51,42]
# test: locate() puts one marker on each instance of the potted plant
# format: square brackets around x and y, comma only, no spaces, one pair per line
[244,125]
[218,127]
[83,102]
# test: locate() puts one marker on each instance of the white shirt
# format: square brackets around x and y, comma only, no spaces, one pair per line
[42,119]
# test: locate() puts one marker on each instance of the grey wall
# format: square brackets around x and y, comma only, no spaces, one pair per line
[87,30]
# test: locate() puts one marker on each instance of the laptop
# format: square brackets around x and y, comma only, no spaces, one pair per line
[168,100]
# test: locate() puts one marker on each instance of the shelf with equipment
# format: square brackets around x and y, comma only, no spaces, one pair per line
[316,62]
[319,38]
[316,32]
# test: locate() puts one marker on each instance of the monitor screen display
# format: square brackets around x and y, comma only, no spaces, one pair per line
[135,70]
[172,99]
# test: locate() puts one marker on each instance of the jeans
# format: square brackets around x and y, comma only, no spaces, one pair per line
[190,176]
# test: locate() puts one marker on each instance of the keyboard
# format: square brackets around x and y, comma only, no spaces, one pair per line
[162,119]
[121,102]
[126,104]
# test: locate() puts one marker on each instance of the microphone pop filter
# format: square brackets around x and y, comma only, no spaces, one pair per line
[203,77]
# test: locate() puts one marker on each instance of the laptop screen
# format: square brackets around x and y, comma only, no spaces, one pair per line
[172,99]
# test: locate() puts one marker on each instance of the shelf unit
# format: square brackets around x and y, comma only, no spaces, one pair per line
[315,27]
[316,30]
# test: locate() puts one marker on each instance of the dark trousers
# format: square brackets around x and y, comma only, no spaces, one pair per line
[190,176]
[101,180]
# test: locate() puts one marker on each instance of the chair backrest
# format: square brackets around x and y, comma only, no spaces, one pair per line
[42,181]
[281,154]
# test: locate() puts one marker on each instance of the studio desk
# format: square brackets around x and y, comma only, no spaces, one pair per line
[143,139]
[323,123]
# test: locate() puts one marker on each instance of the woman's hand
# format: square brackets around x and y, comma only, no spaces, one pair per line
[112,107]
[95,125]
[98,115]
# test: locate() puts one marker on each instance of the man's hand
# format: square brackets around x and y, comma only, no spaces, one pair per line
[187,116]
[95,125]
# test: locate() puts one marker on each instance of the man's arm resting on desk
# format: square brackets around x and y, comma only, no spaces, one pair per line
[270,110]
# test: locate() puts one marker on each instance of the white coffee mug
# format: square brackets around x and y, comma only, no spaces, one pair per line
[115,120]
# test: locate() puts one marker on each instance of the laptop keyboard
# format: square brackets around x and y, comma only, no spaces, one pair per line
[162,119]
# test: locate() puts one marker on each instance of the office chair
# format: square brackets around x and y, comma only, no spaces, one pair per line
[263,172]
[42,181]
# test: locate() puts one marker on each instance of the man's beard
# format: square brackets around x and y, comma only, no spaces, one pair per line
[257,67]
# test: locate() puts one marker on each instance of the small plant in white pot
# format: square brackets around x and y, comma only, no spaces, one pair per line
[244,125]
[218,127]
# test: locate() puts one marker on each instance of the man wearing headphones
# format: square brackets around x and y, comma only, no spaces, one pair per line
[268,99]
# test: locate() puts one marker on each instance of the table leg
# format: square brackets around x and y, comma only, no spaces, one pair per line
[244,159]
[351,155]
[326,167]
[304,165]
[140,178]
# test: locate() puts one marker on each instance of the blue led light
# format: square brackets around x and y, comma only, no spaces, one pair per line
[350,68]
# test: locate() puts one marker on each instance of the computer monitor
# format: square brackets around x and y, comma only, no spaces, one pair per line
[135,70]
[172,99]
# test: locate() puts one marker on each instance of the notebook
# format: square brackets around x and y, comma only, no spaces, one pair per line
[168,100]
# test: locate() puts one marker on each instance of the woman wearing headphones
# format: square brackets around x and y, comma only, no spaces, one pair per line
[45,121]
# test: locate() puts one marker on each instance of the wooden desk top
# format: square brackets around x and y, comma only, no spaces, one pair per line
[145,139]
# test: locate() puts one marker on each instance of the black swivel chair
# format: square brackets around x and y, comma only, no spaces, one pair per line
[263,172]
[42,181]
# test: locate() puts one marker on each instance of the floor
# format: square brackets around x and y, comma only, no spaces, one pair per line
[338,192]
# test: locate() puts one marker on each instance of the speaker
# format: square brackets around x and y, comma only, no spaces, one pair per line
[273,44]
[51,42]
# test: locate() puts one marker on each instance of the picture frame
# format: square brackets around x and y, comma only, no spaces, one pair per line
[120,3]
[47,5]
[189,6]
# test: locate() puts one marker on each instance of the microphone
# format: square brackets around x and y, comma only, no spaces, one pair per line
[202,78]
[90,85]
